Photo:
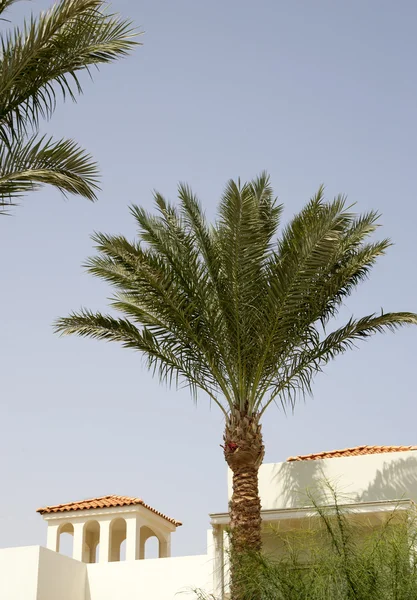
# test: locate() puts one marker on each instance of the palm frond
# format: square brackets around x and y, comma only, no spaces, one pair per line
[248,219]
[46,55]
[321,258]
[28,164]
[150,284]
[5,4]
[295,377]
[171,360]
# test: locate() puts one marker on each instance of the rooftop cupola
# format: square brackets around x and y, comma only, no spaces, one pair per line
[106,522]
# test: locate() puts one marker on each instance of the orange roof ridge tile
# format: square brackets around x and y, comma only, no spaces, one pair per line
[354,451]
[110,501]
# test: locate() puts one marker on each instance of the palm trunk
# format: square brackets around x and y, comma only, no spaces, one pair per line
[245,510]
[243,451]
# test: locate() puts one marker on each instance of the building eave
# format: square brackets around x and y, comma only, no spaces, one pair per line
[310,512]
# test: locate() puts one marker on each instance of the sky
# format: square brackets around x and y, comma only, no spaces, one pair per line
[313,92]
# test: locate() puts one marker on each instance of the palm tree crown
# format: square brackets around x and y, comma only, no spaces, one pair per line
[227,307]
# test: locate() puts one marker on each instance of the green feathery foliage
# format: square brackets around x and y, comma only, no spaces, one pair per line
[39,62]
[229,308]
[337,556]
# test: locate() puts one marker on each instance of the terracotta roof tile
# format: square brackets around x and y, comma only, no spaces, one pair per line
[104,502]
[355,451]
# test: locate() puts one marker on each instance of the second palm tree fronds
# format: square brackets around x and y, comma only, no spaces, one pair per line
[39,62]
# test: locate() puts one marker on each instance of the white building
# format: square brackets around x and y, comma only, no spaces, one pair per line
[374,479]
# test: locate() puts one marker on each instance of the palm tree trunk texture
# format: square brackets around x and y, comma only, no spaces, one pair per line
[244,451]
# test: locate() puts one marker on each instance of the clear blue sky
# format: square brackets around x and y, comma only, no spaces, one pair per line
[311,91]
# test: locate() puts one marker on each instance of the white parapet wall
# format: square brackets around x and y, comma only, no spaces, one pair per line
[19,573]
[36,573]
[61,577]
[152,579]
[369,478]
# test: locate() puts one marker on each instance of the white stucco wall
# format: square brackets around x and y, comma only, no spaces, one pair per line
[19,573]
[60,577]
[152,579]
[369,478]
[35,573]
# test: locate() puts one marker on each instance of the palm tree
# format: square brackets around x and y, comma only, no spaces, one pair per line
[235,312]
[37,61]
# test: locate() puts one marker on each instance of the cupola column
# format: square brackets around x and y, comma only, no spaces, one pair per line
[105,540]
[78,548]
[52,537]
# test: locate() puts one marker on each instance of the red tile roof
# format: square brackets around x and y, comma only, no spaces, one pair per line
[355,451]
[104,502]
